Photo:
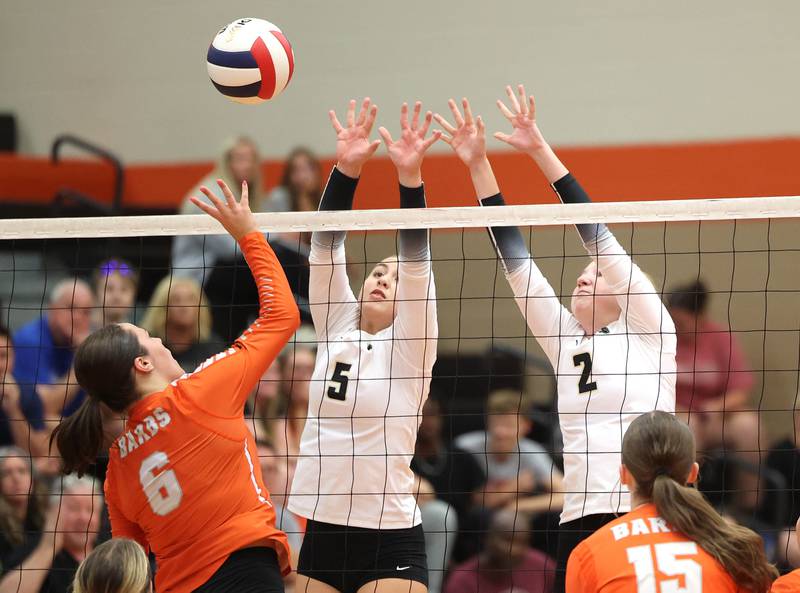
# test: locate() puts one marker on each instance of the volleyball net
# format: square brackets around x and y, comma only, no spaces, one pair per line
[727,269]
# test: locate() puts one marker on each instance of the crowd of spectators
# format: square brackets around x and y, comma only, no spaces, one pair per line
[490,499]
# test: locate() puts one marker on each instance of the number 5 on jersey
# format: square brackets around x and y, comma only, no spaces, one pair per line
[337,385]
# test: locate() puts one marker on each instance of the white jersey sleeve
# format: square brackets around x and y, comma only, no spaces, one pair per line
[416,327]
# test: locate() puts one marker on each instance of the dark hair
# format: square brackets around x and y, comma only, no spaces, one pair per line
[4,333]
[286,178]
[104,368]
[659,451]
[692,297]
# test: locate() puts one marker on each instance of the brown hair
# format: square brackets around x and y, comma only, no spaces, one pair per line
[116,566]
[288,170]
[508,401]
[104,368]
[659,451]
[10,525]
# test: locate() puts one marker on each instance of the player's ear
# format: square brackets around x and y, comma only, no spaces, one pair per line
[143,364]
[694,473]
[625,476]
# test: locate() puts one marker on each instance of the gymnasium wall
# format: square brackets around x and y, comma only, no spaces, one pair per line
[131,75]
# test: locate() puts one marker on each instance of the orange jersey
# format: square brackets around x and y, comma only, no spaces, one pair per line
[184,477]
[788,583]
[640,553]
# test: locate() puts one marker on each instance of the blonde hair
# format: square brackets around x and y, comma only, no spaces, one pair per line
[116,566]
[155,319]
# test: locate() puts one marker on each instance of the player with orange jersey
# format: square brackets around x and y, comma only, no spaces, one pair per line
[183,476]
[672,540]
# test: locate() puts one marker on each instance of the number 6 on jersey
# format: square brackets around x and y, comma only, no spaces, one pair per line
[162,490]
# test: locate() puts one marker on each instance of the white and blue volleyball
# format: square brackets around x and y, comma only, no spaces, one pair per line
[250,61]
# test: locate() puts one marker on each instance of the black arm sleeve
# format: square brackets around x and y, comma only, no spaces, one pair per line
[508,240]
[338,195]
[569,191]
[414,243]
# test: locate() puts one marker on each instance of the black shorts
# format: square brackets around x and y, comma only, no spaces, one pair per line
[249,570]
[346,558]
[570,534]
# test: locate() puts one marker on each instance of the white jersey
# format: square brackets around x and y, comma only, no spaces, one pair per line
[365,400]
[604,381]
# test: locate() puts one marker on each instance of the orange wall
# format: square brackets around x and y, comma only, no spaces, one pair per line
[616,173]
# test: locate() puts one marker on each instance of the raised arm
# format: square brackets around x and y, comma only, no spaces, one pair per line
[333,306]
[238,369]
[635,293]
[543,312]
[416,294]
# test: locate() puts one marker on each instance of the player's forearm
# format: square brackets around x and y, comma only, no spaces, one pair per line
[338,195]
[569,191]
[549,164]
[483,179]
[414,250]
[508,240]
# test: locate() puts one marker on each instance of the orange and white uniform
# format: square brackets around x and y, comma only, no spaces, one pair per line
[184,478]
[788,583]
[640,553]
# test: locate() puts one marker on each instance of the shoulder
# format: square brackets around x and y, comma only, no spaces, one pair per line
[471,441]
[537,558]
[788,583]
[31,333]
[527,445]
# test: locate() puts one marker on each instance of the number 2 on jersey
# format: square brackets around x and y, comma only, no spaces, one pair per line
[162,490]
[585,359]
[337,386]
[668,563]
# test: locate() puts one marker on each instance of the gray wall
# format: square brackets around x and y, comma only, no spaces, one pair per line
[131,75]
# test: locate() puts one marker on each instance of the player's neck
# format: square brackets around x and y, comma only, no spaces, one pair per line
[151,383]
[637,500]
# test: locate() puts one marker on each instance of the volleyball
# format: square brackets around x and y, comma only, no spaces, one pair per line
[250,61]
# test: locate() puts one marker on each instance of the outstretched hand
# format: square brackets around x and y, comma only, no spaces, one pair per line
[235,216]
[409,149]
[353,147]
[467,137]
[526,136]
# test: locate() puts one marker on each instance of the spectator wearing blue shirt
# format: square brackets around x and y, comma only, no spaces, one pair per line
[45,347]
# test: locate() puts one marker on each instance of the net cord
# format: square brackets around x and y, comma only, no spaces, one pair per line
[396,219]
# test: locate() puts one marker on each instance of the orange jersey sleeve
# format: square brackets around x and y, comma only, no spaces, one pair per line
[222,384]
[184,476]
[640,552]
[788,583]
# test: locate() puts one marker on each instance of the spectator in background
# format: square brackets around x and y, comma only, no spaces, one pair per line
[23,504]
[440,524]
[45,347]
[520,474]
[71,529]
[273,472]
[784,457]
[116,566]
[115,283]
[301,185]
[21,414]
[179,314]
[507,562]
[214,261]
[261,408]
[713,377]
[290,410]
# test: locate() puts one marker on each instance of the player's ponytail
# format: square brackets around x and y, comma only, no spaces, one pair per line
[659,451]
[104,368]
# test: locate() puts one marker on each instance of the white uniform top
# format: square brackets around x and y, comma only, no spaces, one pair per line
[604,381]
[355,452]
